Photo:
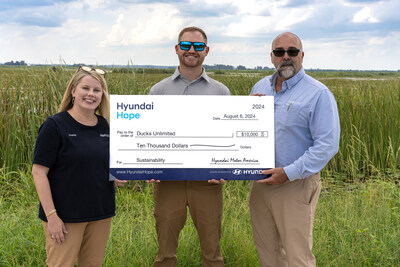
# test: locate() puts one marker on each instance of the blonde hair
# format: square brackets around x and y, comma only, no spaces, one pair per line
[103,109]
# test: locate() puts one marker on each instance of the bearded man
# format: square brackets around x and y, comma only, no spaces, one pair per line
[307,131]
[204,198]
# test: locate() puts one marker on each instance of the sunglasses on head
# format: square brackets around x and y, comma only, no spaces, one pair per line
[89,69]
[292,52]
[197,46]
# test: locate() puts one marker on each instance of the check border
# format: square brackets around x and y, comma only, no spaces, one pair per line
[197,174]
[133,157]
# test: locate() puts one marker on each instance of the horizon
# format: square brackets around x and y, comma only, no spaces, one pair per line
[207,67]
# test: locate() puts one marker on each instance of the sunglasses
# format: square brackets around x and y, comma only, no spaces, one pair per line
[197,46]
[292,52]
[89,69]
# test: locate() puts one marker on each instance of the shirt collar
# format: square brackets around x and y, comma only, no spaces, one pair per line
[176,74]
[290,82]
[203,75]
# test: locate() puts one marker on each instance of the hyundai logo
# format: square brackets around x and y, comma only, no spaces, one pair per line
[237,172]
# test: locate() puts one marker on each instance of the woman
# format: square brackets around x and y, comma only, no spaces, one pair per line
[71,173]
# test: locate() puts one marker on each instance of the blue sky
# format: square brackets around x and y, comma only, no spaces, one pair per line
[342,34]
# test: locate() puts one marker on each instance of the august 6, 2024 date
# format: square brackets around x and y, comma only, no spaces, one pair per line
[241,116]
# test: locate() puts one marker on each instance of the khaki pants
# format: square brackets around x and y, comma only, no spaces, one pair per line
[282,218]
[85,241]
[171,199]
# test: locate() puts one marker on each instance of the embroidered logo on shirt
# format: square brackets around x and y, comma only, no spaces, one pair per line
[72,135]
[104,135]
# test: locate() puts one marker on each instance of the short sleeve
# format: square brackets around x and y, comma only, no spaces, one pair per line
[47,144]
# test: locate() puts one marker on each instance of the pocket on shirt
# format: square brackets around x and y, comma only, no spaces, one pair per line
[295,114]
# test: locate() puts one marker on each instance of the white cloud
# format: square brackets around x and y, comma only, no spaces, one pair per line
[364,16]
[255,23]
[143,24]
[286,19]
[249,26]
[358,51]
[233,47]
[93,4]
[253,7]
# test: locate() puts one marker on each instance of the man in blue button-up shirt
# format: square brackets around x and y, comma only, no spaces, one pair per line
[307,130]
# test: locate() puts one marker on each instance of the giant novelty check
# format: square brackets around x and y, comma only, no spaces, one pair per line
[183,137]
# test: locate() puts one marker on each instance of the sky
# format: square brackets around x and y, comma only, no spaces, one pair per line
[340,34]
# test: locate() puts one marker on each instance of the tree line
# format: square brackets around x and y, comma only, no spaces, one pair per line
[16,63]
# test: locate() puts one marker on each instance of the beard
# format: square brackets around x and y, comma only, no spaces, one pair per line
[286,69]
[194,62]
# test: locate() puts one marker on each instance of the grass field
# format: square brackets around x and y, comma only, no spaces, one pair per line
[358,215]
[356,224]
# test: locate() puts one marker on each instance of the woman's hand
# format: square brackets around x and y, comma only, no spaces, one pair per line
[120,182]
[56,228]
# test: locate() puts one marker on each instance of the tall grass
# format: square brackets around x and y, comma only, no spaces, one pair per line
[370,122]
[369,113]
[355,225]
[352,226]
[29,95]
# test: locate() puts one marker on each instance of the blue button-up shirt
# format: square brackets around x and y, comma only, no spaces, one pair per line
[307,126]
